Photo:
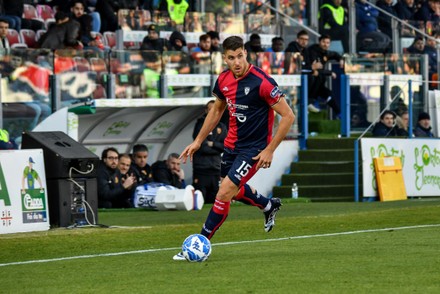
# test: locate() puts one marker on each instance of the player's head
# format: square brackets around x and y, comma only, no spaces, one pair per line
[140,155]
[235,55]
[110,157]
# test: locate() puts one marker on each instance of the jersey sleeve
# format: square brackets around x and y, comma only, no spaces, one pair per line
[270,92]
[217,92]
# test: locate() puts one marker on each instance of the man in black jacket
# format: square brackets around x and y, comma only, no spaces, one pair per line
[112,191]
[64,34]
[169,171]
[206,161]
[387,127]
[319,53]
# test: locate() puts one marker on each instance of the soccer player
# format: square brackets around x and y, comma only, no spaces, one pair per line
[252,99]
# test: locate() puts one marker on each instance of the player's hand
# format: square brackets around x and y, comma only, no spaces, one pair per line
[264,159]
[189,151]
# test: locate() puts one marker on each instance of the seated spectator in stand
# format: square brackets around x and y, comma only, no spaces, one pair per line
[423,127]
[402,122]
[215,41]
[398,105]
[386,127]
[140,167]
[64,34]
[178,54]
[4,42]
[169,171]
[383,20]
[78,13]
[152,40]
[177,42]
[296,49]
[419,47]
[333,21]
[318,55]
[15,9]
[253,46]
[201,55]
[429,11]
[405,9]
[370,39]
[359,120]
[112,192]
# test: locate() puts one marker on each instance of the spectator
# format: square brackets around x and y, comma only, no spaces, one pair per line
[206,161]
[109,23]
[177,42]
[297,49]
[64,34]
[215,41]
[359,120]
[14,9]
[112,192]
[398,105]
[370,39]
[333,21]
[152,40]
[77,13]
[383,20]
[253,46]
[319,53]
[429,11]
[201,55]
[386,126]
[423,127]
[405,9]
[402,122]
[4,26]
[169,171]
[418,47]
[140,167]
[277,45]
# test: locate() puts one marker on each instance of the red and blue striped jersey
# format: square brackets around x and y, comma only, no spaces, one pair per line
[249,99]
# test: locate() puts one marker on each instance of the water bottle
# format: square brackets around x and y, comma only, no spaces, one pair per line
[294,191]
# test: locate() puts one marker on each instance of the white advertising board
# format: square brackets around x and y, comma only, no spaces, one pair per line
[23,198]
[420,162]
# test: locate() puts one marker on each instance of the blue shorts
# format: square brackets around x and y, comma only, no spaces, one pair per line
[239,166]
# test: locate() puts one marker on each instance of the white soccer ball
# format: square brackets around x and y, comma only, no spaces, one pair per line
[196,248]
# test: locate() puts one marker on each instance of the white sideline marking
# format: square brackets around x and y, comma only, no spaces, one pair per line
[217,244]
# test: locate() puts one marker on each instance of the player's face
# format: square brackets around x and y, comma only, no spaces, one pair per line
[111,160]
[236,61]
[124,165]
[140,158]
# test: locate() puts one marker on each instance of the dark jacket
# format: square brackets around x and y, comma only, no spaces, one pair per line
[162,174]
[143,175]
[61,36]
[383,20]
[314,52]
[159,44]
[425,13]
[420,131]
[206,160]
[366,17]
[403,11]
[111,193]
[381,130]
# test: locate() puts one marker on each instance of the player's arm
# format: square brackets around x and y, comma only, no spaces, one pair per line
[287,118]
[211,121]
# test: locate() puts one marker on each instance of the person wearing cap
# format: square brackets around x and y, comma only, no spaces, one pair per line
[386,127]
[29,176]
[423,127]
[152,40]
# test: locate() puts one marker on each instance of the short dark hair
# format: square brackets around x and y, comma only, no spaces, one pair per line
[213,34]
[232,43]
[382,116]
[277,39]
[324,36]
[204,37]
[140,148]
[4,21]
[173,155]
[60,15]
[254,37]
[302,33]
[106,150]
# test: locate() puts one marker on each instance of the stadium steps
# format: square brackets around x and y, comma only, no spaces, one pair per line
[324,172]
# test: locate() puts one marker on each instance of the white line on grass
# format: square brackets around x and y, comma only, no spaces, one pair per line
[216,244]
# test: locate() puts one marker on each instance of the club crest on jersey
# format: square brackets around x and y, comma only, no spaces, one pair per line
[225,89]
[246,90]
[275,91]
